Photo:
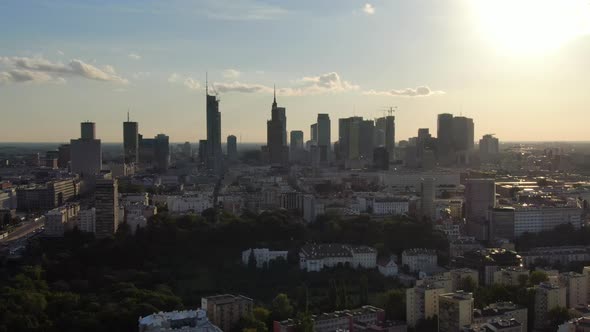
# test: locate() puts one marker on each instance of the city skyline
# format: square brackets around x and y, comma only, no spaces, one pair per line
[356,59]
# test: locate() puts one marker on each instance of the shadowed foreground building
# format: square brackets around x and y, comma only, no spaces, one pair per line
[106,203]
[226,310]
[185,321]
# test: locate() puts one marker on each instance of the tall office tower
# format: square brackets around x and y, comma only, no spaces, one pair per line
[489,148]
[455,311]
[162,152]
[444,137]
[348,137]
[214,153]
[428,196]
[324,137]
[187,150]
[296,142]
[480,196]
[380,130]
[106,203]
[232,147]
[63,159]
[86,152]
[278,152]
[381,158]
[390,135]
[547,297]
[130,141]
[88,130]
[366,134]
[313,133]
[463,133]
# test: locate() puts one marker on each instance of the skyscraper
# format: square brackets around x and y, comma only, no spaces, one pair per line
[366,141]
[106,203]
[86,152]
[480,195]
[296,149]
[214,153]
[489,147]
[390,135]
[313,133]
[324,137]
[162,152]
[278,152]
[444,136]
[463,133]
[130,141]
[232,147]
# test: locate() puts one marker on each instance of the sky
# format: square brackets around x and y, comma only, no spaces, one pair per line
[519,68]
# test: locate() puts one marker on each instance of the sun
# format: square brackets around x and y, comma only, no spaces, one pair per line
[532,26]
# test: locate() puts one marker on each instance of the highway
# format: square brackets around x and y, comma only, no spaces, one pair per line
[23,231]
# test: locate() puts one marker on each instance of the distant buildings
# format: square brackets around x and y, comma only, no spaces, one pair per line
[155,151]
[46,196]
[86,152]
[189,203]
[87,220]
[419,259]
[315,257]
[505,311]
[324,137]
[226,310]
[388,267]
[185,321]
[262,256]
[552,255]
[489,148]
[297,146]
[61,219]
[365,318]
[106,203]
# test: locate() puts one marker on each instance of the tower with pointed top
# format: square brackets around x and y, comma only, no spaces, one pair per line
[214,156]
[276,134]
[131,141]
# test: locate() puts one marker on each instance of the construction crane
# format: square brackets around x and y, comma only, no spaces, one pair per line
[390,110]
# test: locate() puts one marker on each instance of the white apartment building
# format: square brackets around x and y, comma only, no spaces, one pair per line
[455,311]
[262,256]
[422,303]
[419,259]
[61,219]
[185,321]
[314,257]
[87,220]
[390,206]
[537,219]
[388,267]
[576,286]
[187,204]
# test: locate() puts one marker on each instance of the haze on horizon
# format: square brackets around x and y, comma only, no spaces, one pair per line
[519,68]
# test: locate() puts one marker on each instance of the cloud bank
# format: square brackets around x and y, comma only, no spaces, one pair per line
[368,9]
[421,91]
[38,70]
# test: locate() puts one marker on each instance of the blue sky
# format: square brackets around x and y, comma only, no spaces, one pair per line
[62,62]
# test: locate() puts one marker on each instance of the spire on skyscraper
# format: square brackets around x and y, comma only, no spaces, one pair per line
[274,99]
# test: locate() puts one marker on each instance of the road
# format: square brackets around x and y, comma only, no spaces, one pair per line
[23,231]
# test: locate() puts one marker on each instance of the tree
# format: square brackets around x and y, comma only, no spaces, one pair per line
[394,304]
[252,260]
[364,290]
[557,316]
[305,323]
[468,284]
[522,280]
[538,277]
[261,314]
[281,307]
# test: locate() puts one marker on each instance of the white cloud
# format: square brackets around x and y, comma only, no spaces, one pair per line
[244,10]
[241,87]
[134,56]
[39,69]
[231,74]
[174,77]
[368,9]
[22,76]
[324,83]
[190,83]
[421,91]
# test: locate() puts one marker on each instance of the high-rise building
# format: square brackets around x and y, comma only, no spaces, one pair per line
[422,302]
[203,151]
[480,196]
[348,137]
[162,152]
[390,135]
[313,133]
[547,297]
[576,285]
[87,220]
[276,135]
[86,152]
[232,147]
[106,204]
[463,133]
[381,158]
[365,140]
[226,310]
[63,159]
[444,137]
[489,148]
[324,137]
[130,141]
[296,142]
[428,195]
[214,158]
[455,311]
[88,130]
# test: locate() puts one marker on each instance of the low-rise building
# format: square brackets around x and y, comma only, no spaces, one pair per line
[185,321]
[458,277]
[189,203]
[419,259]
[262,256]
[551,255]
[365,318]
[388,267]
[61,219]
[226,310]
[315,257]
[501,311]
[511,276]
[581,324]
